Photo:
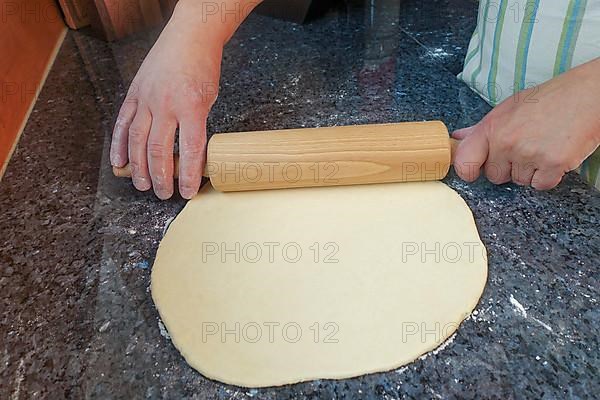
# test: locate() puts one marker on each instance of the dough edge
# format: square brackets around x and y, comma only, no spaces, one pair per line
[227,380]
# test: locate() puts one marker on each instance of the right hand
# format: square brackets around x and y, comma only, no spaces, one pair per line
[176,86]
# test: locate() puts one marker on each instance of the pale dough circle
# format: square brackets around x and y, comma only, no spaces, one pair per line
[249,289]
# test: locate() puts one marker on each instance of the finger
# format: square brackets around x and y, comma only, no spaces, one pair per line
[471,155]
[160,156]
[192,155]
[138,140]
[497,167]
[522,173]
[120,138]
[460,134]
[546,179]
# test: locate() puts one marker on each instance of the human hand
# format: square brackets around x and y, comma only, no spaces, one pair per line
[175,87]
[538,135]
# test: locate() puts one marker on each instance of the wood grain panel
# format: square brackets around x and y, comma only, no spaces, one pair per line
[116,19]
[30,32]
[76,12]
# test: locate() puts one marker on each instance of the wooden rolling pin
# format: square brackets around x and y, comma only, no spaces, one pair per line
[334,156]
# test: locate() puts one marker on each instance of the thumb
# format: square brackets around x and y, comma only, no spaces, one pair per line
[460,134]
[472,152]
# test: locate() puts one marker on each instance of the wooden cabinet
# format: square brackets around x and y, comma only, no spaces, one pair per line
[116,19]
[76,12]
[30,33]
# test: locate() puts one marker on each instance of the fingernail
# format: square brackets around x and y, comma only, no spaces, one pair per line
[116,160]
[163,195]
[142,184]
[462,132]
[188,192]
[187,195]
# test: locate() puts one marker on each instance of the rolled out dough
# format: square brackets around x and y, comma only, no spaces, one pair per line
[275,287]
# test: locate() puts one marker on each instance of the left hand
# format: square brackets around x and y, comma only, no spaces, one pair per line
[538,135]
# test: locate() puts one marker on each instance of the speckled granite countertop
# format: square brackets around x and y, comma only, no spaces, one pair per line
[77,245]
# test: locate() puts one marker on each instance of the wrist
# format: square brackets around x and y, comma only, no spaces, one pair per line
[213,20]
[589,73]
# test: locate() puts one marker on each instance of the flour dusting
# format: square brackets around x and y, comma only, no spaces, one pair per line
[441,347]
[518,306]
[545,325]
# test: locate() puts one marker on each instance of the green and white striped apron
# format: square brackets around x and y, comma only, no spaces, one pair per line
[518,44]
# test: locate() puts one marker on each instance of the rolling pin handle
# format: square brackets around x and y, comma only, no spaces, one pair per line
[125,172]
[453,146]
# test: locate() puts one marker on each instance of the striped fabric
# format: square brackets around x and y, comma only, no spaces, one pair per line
[518,44]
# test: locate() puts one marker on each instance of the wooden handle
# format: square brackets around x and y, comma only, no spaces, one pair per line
[125,172]
[453,146]
[341,155]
